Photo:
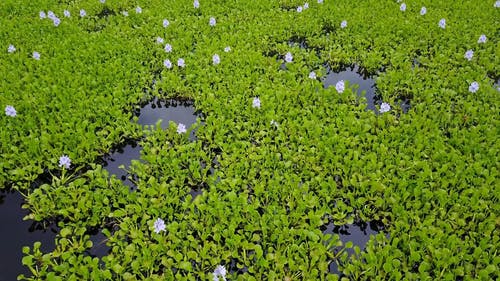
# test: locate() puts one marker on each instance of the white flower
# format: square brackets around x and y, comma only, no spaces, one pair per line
[312,75]
[159,40]
[402,7]
[306,6]
[102,1]
[166,23]
[82,13]
[181,128]
[385,107]
[256,102]
[36,55]
[482,39]
[56,21]
[168,48]
[64,161]
[11,49]
[423,11]
[42,15]
[167,64]
[274,123]
[196,4]
[340,86]
[159,225]
[138,10]
[299,9]
[288,57]
[216,59]
[442,23]
[125,13]
[320,1]
[67,13]
[51,15]
[220,270]
[343,24]
[497,4]
[469,54]
[212,21]
[474,86]
[227,49]
[181,63]
[10,111]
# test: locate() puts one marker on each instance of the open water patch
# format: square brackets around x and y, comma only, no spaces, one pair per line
[356,76]
[17,233]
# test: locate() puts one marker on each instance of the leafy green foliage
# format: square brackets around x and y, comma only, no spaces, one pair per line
[431,175]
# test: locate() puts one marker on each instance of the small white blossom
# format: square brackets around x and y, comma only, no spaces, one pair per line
[385,107]
[196,4]
[159,40]
[42,15]
[181,128]
[64,161]
[299,9]
[274,123]
[10,111]
[220,270]
[256,102]
[288,57]
[216,59]
[474,86]
[402,7]
[125,13]
[343,24]
[82,13]
[320,1]
[67,13]
[159,225]
[36,55]
[166,23]
[340,86]
[227,49]
[168,48]
[51,15]
[138,10]
[212,21]
[497,4]
[442,23]
[11,49]
[482,39]
[469,54]
[167,64]
[56,21]
[306,6]
[423,11]
[181,63]
[312,75]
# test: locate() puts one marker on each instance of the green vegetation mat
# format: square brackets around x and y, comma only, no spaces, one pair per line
[303,158]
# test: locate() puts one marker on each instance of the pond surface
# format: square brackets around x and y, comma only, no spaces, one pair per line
[355,75]
[17,233]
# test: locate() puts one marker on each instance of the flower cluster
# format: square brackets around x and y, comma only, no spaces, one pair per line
[220,270]
[340,86]
[159,225]
[256,102]
[64,161]
[10,111]
[181,128]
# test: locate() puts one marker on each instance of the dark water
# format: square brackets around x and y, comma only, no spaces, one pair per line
[99,247]
[16,233]
[358,234]
[122,156]
[357,76]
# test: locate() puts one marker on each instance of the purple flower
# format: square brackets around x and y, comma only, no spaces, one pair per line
[216,59]
[125,13]
[10,111]
[288,57]
[64,161]
[469,54]
[67,13]
[306,6]
[402,7]
[196,4]
[138,10]
[168,48]
[212,21]
[11,49]
[340,86]
[36,55]
[220,270]
[482,39]
[82,13]
[343,24]
[181,63]
[166,23]
[385,107]
[474,87]
[320,1]
[299,9]
[56,21]
[159,225]
[256,102]
[423,11]
[227,49]
[497,4]
[159,40]
[442,23]
[181,128]
[312,75]
[102,1]
[51,15]
[167,64]
[42,15]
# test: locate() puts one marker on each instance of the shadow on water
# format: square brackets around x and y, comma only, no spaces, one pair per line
[358,233]
[17,233]
[122,156]
[355,75]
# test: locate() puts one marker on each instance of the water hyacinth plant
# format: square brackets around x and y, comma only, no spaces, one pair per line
[369,152]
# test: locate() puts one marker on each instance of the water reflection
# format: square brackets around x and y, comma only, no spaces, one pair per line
[17,233]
